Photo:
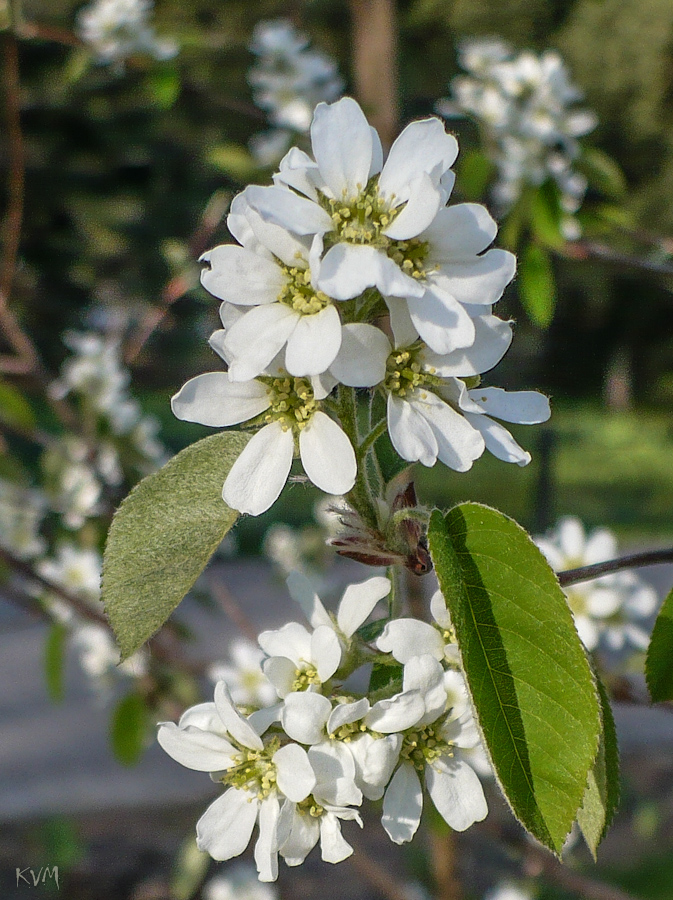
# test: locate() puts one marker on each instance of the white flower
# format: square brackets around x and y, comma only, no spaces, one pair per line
[238,883]
[299,659]
[116,29]
[21,514]
[244,677]
[406,638]
[214,737]
[74,569]
[525,106]
[98,653]
[433,748]
[272,278]
[260,472]
[612,610]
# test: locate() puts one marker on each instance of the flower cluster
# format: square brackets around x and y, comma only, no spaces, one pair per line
[288,80]
[301,767]
[21,514]
[340,244]
[525,105]
[612,612]
[117,29]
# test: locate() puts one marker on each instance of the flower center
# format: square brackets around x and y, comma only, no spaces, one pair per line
[254,771]
[404,374]
[298,292]
[311,806]
[423,746]
[292,402]
[304,678]
[363,221]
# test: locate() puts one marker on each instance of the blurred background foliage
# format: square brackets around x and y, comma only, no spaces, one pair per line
[121,165]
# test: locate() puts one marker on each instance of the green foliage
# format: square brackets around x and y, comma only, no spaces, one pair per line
[545,216]
[14,408]
[163,86]
[129,728]
[536,284]
[234,160]
[528,675]
[602,794]
[603,172]
[474,173]
[163,535]
[189,870]
[54,660]
[386,678]
[659,663]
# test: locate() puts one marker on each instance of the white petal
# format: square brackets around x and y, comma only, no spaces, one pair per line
[323,385]
[361,360]
[396,714]
[298,170]
[358,602]
[325,651]
[313,345]
[602,602]
[481,281]
[333,847]
[241,277]
[571,537]
[403,329]
[212,399]
[302,591]
[588,632]
[196,749]
[283,207]
[238,727]
[342,145]
[225,829]
[345,713]
[327,455]
[292,641]
[375,759]
[260,472]
[458,442]
[262,719]
[203,716]
[266,847]
[294,775]
[288,248]
[377,153]
[491,341]
[256,338]
[524,407]
[439,610]
[349,269]
[238,224]
[422,146]
[441,321]
[420,209]
[304,716]
[425,674]
[304,835]
[410,434]
[402,805]
[406,638]
[456,791]
[601,545]
[460,232]
[335,772]
[499,441]
[281,672]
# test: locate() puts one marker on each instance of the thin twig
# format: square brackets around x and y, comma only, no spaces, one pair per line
[591,250]
[36,31]
[233,610]
[538,862]
[377,876]
[585,573]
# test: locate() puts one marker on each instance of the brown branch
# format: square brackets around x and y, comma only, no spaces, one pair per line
[585,573]
[379,877]
[443,863]
[233,610]
[538,862]
[36,31]
[374,48]
[584,250]
[178,286]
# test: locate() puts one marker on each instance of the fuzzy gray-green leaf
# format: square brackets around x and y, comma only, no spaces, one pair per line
[163,535]
[528,675]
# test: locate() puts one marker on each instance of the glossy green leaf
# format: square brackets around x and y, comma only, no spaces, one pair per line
[536,285]
[527,672]
[601,797]
[163,535]
[545,215]
[129,728]
[54,660]
[659,662]
[14,408]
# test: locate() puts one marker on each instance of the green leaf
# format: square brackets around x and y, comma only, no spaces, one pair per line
[14,408]
[659,662]
[601,797]
[164,87]
[386,679]
[54,660]
[603,172]
[234,160]
[372,630]
[526,669]
[189,870]
[163,535]
[474,174]
[545,216]
[536,285]
[128,729]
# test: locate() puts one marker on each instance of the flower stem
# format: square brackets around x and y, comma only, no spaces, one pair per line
[371,438]
[360,496]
